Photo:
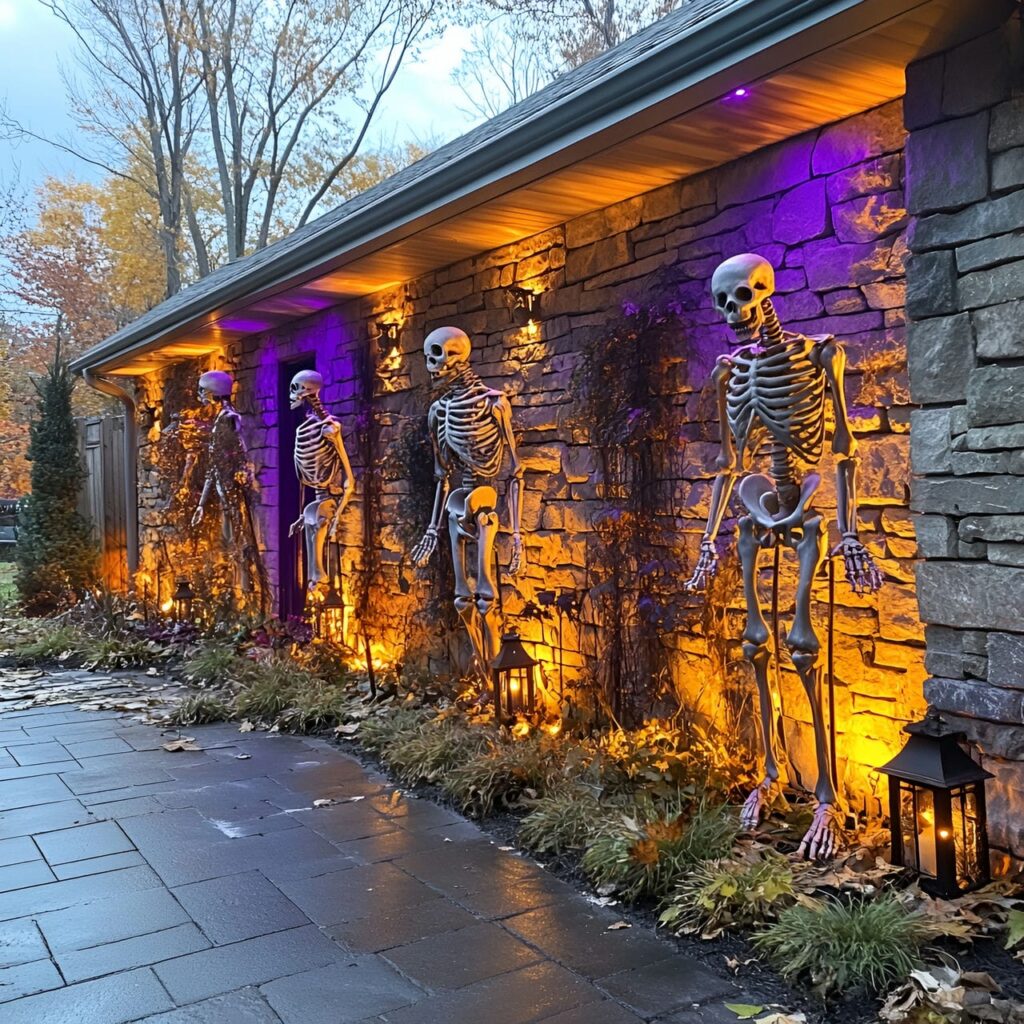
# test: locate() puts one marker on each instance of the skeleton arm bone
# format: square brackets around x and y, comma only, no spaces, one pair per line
[503,414]
[427,545]
[861,572]
[332,431]
[707,563]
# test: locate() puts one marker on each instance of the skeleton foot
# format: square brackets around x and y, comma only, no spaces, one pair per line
[825,836]
[761,797]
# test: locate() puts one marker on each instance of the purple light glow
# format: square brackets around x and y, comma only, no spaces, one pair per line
[739,92]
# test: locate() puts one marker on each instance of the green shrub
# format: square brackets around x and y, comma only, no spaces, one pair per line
[644,856]
[56,552]
[565,819]
[503,772]
[313,705]
[722,894]
[53,643]
[216,665]
[270,688]
[379,733]
[117,652]
[200,709]
[836,946]
[430,752]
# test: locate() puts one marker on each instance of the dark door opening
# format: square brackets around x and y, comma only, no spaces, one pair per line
[292,571]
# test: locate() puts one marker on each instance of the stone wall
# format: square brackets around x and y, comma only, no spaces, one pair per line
[965,299]
[826,208]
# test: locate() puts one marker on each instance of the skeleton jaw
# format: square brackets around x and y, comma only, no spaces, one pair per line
[447,372]
[749,328]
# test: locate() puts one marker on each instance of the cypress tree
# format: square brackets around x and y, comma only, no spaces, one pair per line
[56,552]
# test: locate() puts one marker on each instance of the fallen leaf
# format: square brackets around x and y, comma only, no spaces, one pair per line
[246,726]
[242,757]
[185,743]
[506,849]
[324,802]
[618,926]
[744,1010]
[347,730]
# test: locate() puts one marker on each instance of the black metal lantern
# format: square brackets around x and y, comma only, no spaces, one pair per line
[329,616]
[183,600]
[937,810]
[514,675]
[523,305]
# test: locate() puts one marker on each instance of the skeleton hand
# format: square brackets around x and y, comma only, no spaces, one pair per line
[295,527]
[426,547]
[862,574]
[825,835]
[707,567]
[515,564]
[197,516]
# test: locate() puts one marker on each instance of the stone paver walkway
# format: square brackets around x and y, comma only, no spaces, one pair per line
[142,885]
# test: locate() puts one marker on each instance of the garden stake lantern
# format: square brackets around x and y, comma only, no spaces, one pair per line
[515,681]
[937,810]
[182,600]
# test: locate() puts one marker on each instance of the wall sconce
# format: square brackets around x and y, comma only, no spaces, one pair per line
[183,600]
[514,675]
[937,810]
[388,336]
[149,415]
[522,304]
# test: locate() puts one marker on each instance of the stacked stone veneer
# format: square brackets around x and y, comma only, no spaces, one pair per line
[827,209]
[965,301]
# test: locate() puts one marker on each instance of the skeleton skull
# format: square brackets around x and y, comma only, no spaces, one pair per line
[739,286]
[305,386]
[215,384]
[446,351]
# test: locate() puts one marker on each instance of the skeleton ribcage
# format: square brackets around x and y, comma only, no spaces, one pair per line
[316,459]
[468,429]
[778,395]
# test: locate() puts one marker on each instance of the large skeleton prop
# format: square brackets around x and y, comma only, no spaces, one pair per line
[771,400]
[321,464]
[471,431]
[229,474]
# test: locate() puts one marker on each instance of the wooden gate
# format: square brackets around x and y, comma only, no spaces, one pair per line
[101,441]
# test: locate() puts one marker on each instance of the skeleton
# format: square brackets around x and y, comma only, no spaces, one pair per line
[230,475]
[471,430]
[322,465]
[771,399]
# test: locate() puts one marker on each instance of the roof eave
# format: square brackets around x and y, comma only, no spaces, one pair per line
[709,48]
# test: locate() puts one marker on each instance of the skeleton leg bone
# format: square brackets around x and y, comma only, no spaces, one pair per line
[487,585]
[824,836]
[755,650]
[464,603]
[315,518]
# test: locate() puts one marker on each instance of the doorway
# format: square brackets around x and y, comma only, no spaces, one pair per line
[292,570]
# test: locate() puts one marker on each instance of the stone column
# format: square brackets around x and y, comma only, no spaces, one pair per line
[965,304]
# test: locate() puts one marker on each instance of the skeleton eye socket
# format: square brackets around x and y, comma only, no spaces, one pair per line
[720,299]
[761,286]
[744,294]
[436,351]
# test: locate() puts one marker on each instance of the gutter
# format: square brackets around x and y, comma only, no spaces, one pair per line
[131,451]
[676,65]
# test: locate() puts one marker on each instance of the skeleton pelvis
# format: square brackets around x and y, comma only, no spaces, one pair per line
[319,511]
[466,504]
[758,494]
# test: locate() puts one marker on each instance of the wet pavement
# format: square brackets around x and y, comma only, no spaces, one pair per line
[137,884]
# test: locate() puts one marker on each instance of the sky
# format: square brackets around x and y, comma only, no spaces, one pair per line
[34,45]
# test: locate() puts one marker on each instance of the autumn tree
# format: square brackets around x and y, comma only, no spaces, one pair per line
[56,553]
[525,45]
[238,98]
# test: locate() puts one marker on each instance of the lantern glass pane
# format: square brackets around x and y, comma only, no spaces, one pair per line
[966,834]
[908,815]
[923,824]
